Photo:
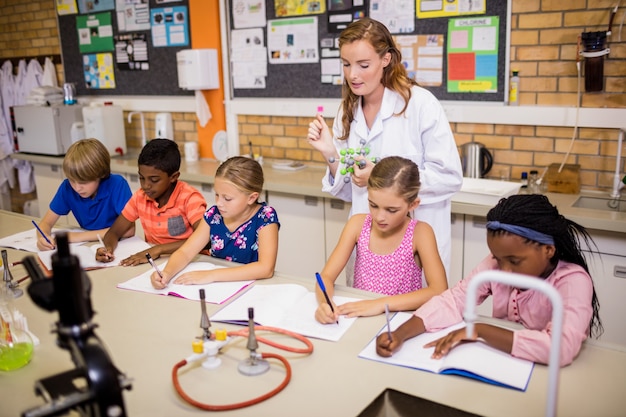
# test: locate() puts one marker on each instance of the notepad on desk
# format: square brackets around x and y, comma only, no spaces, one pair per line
[27,240]
[474,360]
[215,292]
[286,306]
[87,254]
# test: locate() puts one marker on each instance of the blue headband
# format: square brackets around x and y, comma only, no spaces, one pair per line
[522,231]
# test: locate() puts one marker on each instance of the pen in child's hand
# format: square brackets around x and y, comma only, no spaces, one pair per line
[103,245]
[320,282]
[149,258]
[41,232]
[387,318]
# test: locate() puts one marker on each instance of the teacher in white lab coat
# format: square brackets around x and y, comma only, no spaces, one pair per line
[385,111]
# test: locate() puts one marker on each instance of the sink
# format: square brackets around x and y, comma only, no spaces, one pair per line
[601,203]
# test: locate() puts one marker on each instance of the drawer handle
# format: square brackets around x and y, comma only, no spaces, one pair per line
[619,271]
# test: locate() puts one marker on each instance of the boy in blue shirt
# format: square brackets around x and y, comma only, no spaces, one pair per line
[93,195]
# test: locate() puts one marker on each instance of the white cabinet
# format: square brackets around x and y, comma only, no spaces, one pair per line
[456,258]
[336,214]
[475,249]
[48,178]
[301,241]
[608,271]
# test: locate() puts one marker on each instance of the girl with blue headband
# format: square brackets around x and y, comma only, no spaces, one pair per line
[526,235]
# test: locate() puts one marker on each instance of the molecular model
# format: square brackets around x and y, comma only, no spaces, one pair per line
[348,161]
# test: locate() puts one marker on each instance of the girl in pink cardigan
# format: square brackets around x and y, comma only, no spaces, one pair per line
[525,235]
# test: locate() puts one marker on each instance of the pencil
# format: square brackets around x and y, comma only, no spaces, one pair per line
[149,258]
[103,245]
[41,231]
[387,318]
[320,282]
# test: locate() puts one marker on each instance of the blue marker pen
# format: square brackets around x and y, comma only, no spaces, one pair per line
[320,282]
[41,231]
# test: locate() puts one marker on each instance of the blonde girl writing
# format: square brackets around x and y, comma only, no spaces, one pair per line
[238,227]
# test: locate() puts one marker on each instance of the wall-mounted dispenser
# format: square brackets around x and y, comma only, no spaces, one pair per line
[197,69]
[594,50]
[163,127]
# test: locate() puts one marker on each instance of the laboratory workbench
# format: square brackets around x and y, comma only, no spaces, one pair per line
[147,334]
[308,182]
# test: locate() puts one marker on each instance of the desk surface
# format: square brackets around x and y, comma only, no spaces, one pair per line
[147,334]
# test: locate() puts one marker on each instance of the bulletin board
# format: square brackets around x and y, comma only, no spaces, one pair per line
[161,77]
[304,80]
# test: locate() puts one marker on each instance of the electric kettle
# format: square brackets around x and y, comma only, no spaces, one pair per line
[476,159]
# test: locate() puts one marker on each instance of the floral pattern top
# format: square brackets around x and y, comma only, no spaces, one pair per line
[242,244]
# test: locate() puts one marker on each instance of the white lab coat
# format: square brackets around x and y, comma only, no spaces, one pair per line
[421,134]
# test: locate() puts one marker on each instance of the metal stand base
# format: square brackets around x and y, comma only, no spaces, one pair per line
[252,368]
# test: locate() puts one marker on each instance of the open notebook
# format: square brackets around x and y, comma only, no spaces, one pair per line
[27,240]
[286,306]
[87,254]
[473,360]
[215,292]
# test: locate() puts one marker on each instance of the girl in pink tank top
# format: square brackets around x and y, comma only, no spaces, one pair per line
[392,250]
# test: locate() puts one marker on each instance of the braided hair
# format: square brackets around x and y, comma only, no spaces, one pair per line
[535,212]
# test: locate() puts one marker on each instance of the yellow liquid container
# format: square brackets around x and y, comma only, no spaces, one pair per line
[16,347]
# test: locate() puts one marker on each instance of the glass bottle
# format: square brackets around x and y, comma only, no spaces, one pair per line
[533,185]
[524,180]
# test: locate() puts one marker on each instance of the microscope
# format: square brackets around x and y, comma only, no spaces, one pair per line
[68,291]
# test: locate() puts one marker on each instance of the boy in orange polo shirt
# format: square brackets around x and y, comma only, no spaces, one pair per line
[169,210]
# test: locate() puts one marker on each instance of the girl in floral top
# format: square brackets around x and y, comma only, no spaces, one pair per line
[238,227]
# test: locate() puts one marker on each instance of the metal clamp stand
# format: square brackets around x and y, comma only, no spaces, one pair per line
[7,277]
[69,292]
[255,364]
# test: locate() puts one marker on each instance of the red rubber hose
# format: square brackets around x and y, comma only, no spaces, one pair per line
[283,384]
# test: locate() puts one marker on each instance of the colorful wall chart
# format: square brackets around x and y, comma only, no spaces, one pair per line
[299,7]
[170,26]
[98,69]
[473,55]
[95,33]
[448,8]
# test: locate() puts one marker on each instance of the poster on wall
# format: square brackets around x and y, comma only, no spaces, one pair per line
[98,70]
[292,41]
[248,14]
[132,15]
[298,7]
[342,12]
[95,33]
[473,55]
[248,58]
[448,8]
[170,26]
[131,52]
[65,7]
[397,15]
[422,56]
[93,6]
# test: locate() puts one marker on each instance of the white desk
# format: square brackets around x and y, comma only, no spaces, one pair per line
[147,334]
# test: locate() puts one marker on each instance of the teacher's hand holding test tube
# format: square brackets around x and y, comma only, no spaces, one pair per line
[321,313]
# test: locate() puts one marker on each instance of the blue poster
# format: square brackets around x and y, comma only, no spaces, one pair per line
[93,6]
[170,26]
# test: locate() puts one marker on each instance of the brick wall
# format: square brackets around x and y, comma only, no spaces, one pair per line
[544,36]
